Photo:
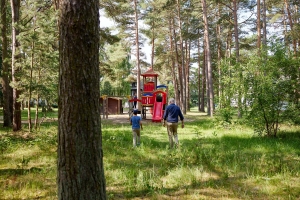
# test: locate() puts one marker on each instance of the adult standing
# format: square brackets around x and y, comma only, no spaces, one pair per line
[135,101]
[171,115]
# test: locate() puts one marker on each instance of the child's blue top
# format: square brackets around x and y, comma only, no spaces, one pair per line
[135,120]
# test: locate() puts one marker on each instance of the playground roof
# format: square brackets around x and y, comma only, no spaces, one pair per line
[150,73]
[113,97]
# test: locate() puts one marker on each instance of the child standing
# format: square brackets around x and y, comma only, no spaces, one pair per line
[136,122]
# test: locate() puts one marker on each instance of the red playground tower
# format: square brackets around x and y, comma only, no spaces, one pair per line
[154,97]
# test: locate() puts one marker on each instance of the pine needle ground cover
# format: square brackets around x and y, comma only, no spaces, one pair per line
[211,162]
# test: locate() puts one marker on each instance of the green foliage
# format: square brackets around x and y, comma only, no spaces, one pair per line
[229,82]
[171,92]
[263,88]
[224,116]
[268,90]
[106,89]
[116,71]
[39,63]
[4,144]
[292,113]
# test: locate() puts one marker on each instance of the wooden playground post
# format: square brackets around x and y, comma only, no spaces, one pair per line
[105,105]
[129,105]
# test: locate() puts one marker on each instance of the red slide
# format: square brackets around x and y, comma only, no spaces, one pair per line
[157,111]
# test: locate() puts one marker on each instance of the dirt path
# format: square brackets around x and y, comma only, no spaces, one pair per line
[122,119]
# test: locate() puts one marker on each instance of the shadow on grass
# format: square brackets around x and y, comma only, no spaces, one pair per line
[10,172]
[203,122]
[231,159]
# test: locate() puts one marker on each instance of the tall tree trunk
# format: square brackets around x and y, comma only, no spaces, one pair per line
[210,98]
[236,32]
[30,86]
[36,112]
[199,73]
[5,68]
[285,34]
[237,54]
[179,74]
[258,27]
[173,68]
[227,96]
[15,11]
[36,120]
[228,45]
[295,77]
[264,23]
[206,78]
[136,21]
[219,42]
[182,77]
[291,26]
[203,79]
[80,154]
[297,21]
[152,45]
[187,73]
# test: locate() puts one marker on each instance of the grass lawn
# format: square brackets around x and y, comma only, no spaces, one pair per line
[211,162]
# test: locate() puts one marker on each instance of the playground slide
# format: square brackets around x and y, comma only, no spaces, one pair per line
[157,111]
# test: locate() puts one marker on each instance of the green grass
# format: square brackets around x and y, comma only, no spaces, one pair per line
[211,163]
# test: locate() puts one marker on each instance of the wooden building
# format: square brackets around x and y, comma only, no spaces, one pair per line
[113,105]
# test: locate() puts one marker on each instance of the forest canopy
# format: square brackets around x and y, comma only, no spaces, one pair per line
[221,56]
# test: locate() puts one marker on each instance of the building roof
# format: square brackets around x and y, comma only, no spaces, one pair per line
[150,73]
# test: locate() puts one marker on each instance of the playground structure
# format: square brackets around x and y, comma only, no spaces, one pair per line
[154,97]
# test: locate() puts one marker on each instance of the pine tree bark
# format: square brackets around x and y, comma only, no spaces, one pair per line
[210,96]
[258,26]
[264,11]
[237,54]
[179,74]
[173,58]
[80,155]
[15,11]
[5,68]
[219,46]
[201,76]
[187,73]
[137,43]
[182,67]
[204,88]
[291,26]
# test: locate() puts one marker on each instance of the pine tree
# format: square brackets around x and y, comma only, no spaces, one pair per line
[80,155]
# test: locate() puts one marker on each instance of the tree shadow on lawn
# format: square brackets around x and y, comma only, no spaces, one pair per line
[214,188]
[213,154]
[19,171]
[203,122]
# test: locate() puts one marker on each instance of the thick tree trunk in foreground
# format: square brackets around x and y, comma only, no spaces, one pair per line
[80,156]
